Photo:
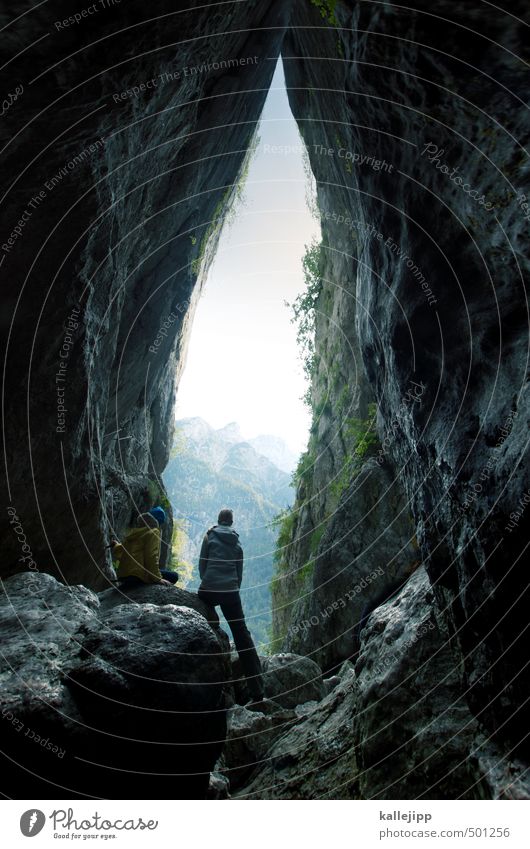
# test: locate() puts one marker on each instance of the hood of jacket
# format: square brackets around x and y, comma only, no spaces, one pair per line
[226,533]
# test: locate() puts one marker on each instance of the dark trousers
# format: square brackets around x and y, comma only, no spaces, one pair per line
[230,604]
[169,575]
[129,582]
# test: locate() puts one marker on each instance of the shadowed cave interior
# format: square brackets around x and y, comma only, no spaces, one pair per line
[122,155]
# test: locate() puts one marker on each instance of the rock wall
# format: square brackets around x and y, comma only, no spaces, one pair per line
[123,151]
[396,725]
[368,546]
[103,694]
[413,119]
[124,137]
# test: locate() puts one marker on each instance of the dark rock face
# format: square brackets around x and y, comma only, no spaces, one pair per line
[314,757]
[367,547]
[414,727]
[107,700]
[417,156]
[133,134]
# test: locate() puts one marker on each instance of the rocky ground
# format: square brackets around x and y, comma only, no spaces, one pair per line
[392,725]
[104,694]
[100,690]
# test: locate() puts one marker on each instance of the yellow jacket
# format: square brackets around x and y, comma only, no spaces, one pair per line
[139,555]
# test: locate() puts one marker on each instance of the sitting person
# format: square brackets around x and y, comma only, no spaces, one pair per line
[160,515]
[139,554]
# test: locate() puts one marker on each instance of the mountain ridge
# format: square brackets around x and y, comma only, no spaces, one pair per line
[269,446]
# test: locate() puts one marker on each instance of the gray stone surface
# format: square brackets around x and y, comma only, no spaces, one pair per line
[219,786]
[413,725]
[140,687]
[330,683]
[291,680]
[156,594]
[313,759]
[250,735]
[506,778]
[288,679]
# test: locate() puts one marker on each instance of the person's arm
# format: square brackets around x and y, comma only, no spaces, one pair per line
[239,566]
[152,557]
[203,556]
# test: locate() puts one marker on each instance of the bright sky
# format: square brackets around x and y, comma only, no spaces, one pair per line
[242,321]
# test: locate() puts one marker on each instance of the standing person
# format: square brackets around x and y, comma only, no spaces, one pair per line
[221,572]
[139,554]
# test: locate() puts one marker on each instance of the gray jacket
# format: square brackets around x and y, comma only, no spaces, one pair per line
[221,560]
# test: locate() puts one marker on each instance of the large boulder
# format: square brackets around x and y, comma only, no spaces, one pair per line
[314,757]
[414,731]
[124,703]
[157,594]
[250,735]
[291,680]
[161,595]
[288,679]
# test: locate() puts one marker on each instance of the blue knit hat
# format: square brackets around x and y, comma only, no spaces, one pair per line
[159,514]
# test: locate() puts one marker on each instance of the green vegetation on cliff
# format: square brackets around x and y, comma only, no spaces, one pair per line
[327,9]
[305,306]
[226,210]
[180,546]
[361,437]
[342,435]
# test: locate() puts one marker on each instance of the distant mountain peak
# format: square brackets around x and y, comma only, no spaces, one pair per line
[231,433]
[194,427]
[215,445]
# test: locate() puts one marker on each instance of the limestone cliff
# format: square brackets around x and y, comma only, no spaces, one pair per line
[123,136]
[418,156]
[122,153]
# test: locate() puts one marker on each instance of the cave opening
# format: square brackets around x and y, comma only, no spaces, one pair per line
[125,130]
[241,419]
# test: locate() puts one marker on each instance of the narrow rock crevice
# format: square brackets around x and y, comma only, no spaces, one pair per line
[400,605]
